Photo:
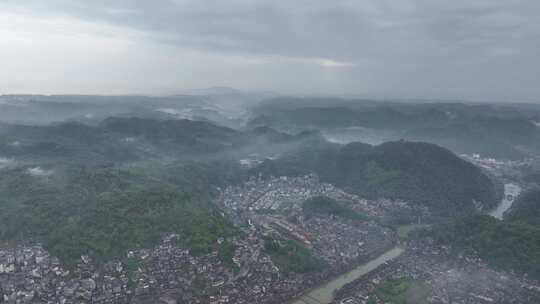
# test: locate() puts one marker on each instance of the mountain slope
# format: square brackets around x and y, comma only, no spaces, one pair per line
[417,172]
[106,211]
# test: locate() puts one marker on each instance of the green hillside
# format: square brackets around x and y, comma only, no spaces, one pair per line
[526,208]
[107,211]
[509,245]
[417,172]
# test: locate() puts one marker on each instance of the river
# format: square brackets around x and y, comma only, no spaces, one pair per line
[511,192]
[324,294]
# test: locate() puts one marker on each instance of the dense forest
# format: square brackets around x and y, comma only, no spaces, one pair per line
[527,208]
[321,206]
[106,211]
[290,256]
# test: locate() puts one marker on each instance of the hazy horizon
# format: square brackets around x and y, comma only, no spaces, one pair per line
[269,152]
[275,94]
[486,50]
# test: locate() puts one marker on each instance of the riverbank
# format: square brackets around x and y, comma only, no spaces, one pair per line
[324,294]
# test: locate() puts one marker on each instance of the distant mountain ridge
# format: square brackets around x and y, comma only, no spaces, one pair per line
[495,131]
[126,139]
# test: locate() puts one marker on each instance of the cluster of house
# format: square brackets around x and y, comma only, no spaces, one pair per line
[339,242]
[274,207]
[275,204]
[170,273]
[28,274]
[287,194]
[449,278]
[166,273]
[284,193]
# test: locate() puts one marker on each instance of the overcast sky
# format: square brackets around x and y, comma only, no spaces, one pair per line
[448,49]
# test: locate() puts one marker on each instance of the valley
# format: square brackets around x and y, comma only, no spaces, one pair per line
[146,209]
[269,152]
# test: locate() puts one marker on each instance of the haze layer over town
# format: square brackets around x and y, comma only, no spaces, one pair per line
[268,152]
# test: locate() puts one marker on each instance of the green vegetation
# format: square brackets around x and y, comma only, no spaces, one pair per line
[120,140]
[416,172]
[121,184]
[403,291]
[404,231]
[105,211]
[226,253]
[526,208]
[290,256]
[376,175]
[188,135]
[131,265]
[510,245]
[327,206]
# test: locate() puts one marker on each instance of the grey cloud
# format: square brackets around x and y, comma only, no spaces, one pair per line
[384,38]
[341,29]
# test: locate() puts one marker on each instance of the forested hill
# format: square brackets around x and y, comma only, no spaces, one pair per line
[417,172]
[106,210]
[510,244]
[116,131]
[527,208]
[105,189]
[120,140]
[182,130]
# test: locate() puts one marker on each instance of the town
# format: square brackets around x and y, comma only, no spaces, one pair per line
[172,274]
[263,209]
[447,278]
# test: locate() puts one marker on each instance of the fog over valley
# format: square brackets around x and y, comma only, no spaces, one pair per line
[269,152]
[385,200]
